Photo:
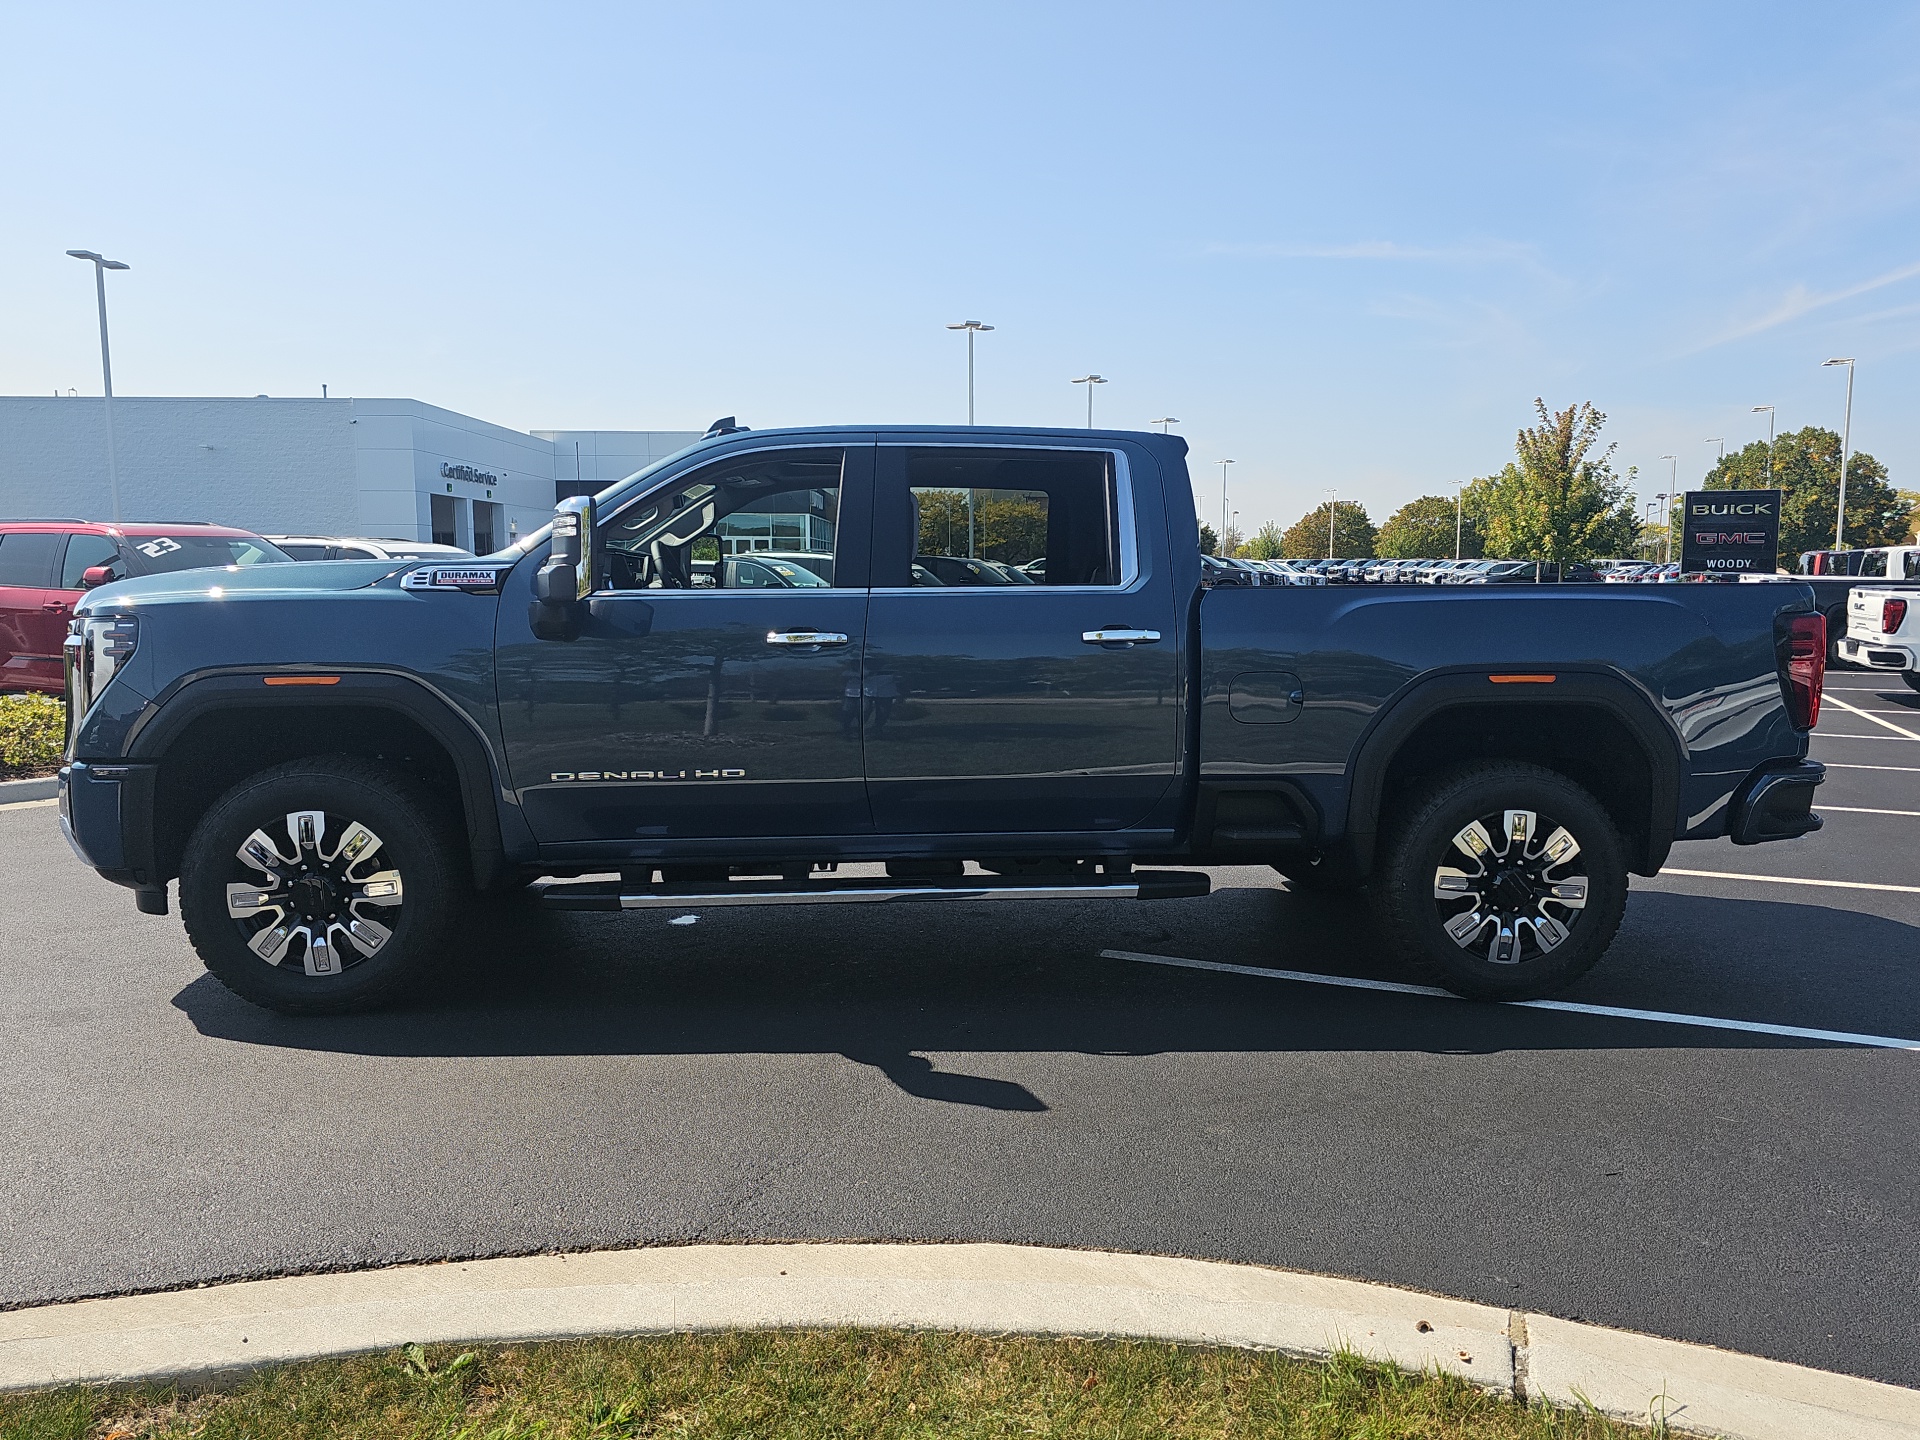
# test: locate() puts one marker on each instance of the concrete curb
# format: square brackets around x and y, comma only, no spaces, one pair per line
[988,1288]
[45,788]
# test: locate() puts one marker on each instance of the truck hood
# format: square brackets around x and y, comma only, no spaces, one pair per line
[300,577]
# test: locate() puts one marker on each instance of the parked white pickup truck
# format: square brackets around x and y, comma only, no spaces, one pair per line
[1883,631]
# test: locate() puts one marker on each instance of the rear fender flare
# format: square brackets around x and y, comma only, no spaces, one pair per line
[1607,690]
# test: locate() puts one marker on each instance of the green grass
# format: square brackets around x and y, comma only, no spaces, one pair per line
[800,1384]
[33,731]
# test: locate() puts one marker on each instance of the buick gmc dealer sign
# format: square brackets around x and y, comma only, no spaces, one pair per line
[1730,532]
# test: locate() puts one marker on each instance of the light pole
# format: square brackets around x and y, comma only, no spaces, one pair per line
[1090,380]
[1666,520]
[1846,444]
[1459,490]
[100,268]
[1769,409]
[1164,421]
[1717,440]
[1223,498]
[1673,494]
[1331,503]
[973,328]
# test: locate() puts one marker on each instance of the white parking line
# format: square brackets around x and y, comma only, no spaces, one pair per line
[1875,718]
[1838,735]
[1860,810]
[1892,769]
[28,804]
[1569,1007]
[1791,880]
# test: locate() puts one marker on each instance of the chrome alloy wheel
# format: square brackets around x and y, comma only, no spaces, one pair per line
[313,896]
[1507,898]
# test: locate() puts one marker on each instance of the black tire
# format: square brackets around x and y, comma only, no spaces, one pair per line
[1542,940]
[1912,677]
[411,893]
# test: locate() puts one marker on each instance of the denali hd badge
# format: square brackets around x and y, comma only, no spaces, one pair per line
[474,579]
[564,775]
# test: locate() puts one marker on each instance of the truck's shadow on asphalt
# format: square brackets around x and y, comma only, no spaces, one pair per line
[889,988]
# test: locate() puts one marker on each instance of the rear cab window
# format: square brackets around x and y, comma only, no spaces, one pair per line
[970,516]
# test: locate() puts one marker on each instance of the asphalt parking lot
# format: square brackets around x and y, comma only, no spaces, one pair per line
[989,1073]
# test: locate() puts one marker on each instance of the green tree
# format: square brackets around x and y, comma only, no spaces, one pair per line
[1423,530]
[1353,534]
[1806,469]
[1209,542]
[1267,543]
[1001,524]
[1557,500]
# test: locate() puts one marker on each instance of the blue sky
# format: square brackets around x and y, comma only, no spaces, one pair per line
[1345,245]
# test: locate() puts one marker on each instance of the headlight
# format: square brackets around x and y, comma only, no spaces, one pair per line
[96,648]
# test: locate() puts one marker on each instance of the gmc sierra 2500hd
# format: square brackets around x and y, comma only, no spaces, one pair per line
[329,755]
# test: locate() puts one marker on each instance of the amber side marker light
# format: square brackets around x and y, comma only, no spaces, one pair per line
[302,679]
[1523,679]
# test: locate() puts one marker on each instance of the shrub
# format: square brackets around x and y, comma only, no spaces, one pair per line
[33,730]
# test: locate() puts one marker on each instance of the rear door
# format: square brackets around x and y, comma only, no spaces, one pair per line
[689,706]
[33,619]
[990,705]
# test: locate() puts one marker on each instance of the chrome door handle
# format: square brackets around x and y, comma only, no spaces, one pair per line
[1120,637]
[805,637]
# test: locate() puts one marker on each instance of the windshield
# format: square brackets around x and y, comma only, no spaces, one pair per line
[162,554]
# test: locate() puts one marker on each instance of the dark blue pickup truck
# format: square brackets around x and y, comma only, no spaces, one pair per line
[962,664]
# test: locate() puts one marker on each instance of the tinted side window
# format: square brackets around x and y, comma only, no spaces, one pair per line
[780,504]
[83,553]
[986,516]
[26,557]
[1874,562]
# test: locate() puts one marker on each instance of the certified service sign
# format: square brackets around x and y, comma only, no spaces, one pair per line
[1730,532]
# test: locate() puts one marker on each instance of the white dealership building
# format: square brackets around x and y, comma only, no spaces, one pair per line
[393,469]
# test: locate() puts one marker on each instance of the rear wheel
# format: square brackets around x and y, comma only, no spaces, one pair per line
[321,886]
[1912,677]
[1502,881]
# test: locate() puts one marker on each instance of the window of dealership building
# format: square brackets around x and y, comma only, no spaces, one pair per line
[384,469]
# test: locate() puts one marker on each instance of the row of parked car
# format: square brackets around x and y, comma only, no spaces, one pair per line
[47,565]
[1222,570]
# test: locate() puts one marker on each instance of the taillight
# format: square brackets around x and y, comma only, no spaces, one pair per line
[1806,667]
[1893,615]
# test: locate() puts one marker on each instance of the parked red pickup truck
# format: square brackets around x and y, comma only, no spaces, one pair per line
[47,565]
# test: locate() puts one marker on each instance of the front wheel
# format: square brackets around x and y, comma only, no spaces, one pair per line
[321,886]
[1502,881]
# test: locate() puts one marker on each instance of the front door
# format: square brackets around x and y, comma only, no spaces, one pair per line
[714,688]
[991,702]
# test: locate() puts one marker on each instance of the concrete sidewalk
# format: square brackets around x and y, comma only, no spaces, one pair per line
[985,1288]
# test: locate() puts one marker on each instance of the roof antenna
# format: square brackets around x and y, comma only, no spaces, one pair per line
[725,425]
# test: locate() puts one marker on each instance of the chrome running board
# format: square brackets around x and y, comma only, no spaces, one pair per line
[613,895]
